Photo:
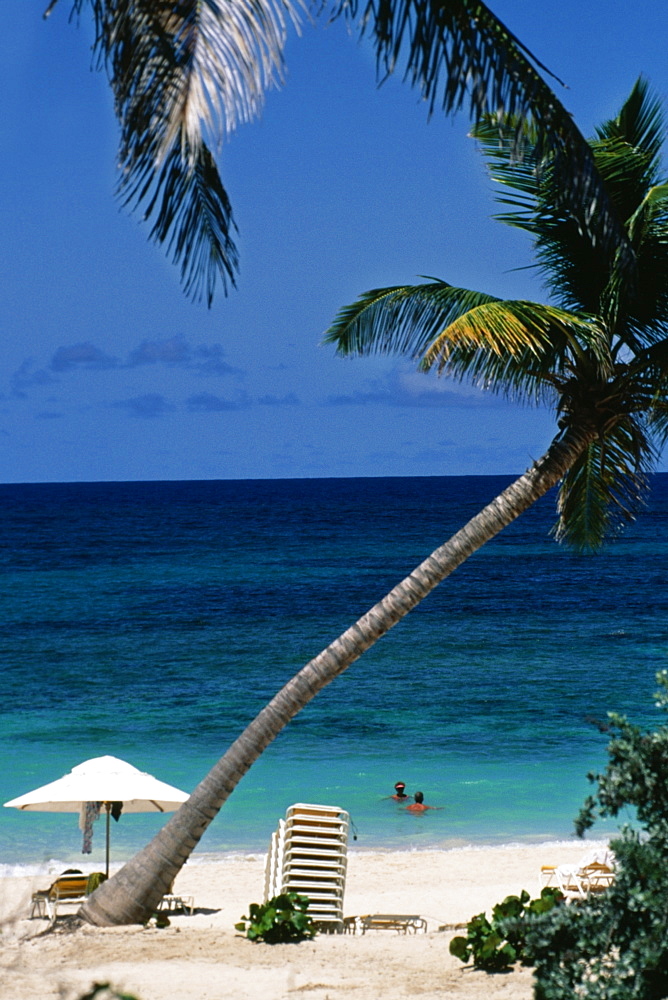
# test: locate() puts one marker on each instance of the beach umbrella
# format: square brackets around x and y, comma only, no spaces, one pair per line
[102,783]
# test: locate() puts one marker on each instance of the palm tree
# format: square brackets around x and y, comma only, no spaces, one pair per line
[184,73]
[600,355]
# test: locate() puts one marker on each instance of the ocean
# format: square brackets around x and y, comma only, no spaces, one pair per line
[152,621]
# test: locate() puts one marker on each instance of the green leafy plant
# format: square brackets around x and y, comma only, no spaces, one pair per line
[280,920]
[105,991]
[498,943]
[614,946]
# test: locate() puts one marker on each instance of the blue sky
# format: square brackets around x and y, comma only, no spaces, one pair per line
[107,372]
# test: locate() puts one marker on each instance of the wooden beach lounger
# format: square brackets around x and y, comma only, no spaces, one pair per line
[402,923]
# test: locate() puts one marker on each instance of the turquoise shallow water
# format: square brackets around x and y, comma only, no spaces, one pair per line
[153,620]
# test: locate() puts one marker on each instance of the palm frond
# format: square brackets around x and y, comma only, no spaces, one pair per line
[191,216]
[606,487]
[640,122]
[453,51]
[658,422]
[505,346]
[580,275]
[184,72]
[180,67]
[523,349]
[576,268]
[522,175]
[458,50]
[648,372]
[400,320]
[637,310]
[653,205]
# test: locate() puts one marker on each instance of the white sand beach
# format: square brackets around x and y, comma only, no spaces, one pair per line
[202,957]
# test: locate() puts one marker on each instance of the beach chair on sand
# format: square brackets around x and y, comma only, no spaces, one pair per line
[585,881]
[402,923]
[579,881]
[67,888]
[308,855]
[177,904]
[174,903]
[597,877]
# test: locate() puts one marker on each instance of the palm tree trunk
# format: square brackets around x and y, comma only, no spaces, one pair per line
[133,893]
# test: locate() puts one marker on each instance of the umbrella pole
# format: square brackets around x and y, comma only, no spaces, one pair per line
[108,807]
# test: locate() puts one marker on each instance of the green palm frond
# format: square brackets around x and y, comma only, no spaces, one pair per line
[182,71]
[658,422]
[649,373]
[191,216]
[637,310]
[529,330]
[580,275]
[509,346]
[456,51]
[575,267]
[652,209]
[522,176]
[523,349]
[640,123]
[627,152]
[606,487]
[403,320]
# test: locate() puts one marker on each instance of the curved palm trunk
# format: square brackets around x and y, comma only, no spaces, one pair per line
[133,893]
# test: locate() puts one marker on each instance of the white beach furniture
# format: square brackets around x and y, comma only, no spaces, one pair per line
[308,855]
[64,889]
[593,874]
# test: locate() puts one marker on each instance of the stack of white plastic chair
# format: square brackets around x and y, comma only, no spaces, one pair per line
[308,854]
[274,867]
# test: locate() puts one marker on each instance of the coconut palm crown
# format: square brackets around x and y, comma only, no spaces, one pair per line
[598,353]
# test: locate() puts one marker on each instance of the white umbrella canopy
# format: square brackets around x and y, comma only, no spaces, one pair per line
[106,780]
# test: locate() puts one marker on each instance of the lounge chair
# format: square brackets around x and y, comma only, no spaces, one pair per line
[67,888]
[548,875]
[177,904]
[597,877]
[402,923]
[585,881]
[594,873]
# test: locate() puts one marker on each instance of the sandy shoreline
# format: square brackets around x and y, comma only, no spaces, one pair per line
[201,957]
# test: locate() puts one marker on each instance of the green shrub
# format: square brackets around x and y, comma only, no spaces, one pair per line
[614,946]
[105,991]
[279,920]
[499,943]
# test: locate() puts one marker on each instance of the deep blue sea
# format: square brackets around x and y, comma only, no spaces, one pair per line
[152,621]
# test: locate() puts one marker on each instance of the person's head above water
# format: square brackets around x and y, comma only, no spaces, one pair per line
[419,806]
[399,791]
